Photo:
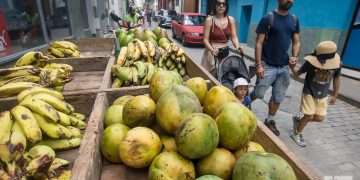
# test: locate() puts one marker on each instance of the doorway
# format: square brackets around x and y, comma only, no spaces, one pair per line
[245,22]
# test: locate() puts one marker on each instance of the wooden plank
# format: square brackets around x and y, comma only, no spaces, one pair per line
[84,80]
[85,64]
[95,44]
[106,81]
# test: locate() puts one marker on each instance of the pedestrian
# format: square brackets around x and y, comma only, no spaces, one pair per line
[148,17]
[132,19]
[241,91]
[321,67]
[218,30]
[275,32]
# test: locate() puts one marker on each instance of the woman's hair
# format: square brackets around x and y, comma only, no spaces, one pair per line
[212,8]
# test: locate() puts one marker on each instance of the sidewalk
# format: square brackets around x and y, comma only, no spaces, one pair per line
[332,146]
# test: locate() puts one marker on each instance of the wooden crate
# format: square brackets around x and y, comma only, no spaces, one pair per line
[95,47]
[83,102]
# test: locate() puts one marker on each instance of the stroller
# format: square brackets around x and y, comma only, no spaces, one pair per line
[231,68]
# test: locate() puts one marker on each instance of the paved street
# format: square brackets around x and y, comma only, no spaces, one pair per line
[332,146]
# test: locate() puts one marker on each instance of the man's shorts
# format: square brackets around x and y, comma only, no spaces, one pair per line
[276,77]
[312,106]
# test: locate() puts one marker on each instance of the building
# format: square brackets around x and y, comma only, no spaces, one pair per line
[320,20]
[181,5]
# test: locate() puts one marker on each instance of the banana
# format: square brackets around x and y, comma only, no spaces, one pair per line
[180,52]
[134,73]
[56,165]
[53,130]
[61,144]
[5,127]
[66,67]
[32,91]
[27,122]
[59,88]
[122,56]
[28,58]
[182,72]
[137,52]
[67,52]
[183,59]
[57,53]
[169,63]
[79,116]
[17,141]
[64,119]
[55,102]
[141,69]
[30,70]
[64,175]
[150,71]
[65,45]
[75,54]
[16,87]
[28,78]
[77,122]
[142,47]
[123,73]
[42,108]
[117,83]
[151,48]
[179,66]
[4,175]
[131,50]
[76,132]
[41,159]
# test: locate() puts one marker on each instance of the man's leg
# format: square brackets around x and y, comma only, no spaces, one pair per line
[262,85]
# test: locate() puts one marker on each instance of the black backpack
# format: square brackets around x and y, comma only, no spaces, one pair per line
[271,17]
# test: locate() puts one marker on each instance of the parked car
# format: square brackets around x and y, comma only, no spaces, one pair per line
[165,18]
[189,27]
[165,22]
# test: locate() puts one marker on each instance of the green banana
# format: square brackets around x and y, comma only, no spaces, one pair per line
[123,73]
[42,108]
[28,58]
[64,119]
[141,69]
[117,83]
[5,127]
[77,123]
[55,102]
[59,88]
[41,158]
[79,116]
[51,129]
[28,123]
[76,132]
[150,71]
[16,87]
[61,144]
[57,53]
[134,73]
[32,91]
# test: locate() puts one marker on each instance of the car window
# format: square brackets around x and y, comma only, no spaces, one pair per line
[194,20]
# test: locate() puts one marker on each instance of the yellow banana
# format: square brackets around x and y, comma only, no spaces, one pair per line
[41,158]
[77,123]
[28,58]
[66,67]
[27,122]
[17,141]
[117,83]
[142,47]
[51,129]
[5,127]
[64,44]
[75,54]
[42,108]
[64,175]
[4,175]
[64,119]
[76,132]
[137,52]
[150,71]
[12,72]
[16,87]
[79,116]
[27,78]
[59,88]
[32,91]
[56,165]
[55,102]
[134,73]
[131,50]
[122,56]
[56,52]
[61,144]
[66,52]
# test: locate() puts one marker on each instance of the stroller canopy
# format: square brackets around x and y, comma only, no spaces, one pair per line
[231,68]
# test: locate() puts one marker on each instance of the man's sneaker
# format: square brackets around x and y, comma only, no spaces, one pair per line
[296,120]
[298,139]
[272,126]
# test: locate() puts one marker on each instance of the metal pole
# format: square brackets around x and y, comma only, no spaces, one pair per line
[42,21]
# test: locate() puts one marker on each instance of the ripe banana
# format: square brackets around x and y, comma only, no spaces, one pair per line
[142,47]
[16,87]
[66,67]
[64,44]
[75,54]
[17,141]
[131,50]
[117,83]
[5,127]
[4,175]
[28,123]
[64,175]
[51,129]
[56,165]
[55,102]
[141,69]
[19,71]
[150,47]
[61,144]
[122,56]
[137,52]
[32,91]
[67,52]
[27,78]
[79,116]
[76,132]
[59,88]
[64,119]
[28,58]
[134,73]
[180,52]
[77,123]
[57,53]
[41,158]
[150,71]
[42,108]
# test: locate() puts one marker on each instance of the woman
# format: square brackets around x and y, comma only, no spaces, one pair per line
[218,30]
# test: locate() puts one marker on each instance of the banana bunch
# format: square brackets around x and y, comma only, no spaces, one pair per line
[43,120]
[63,49]
[137,50]
[55,75]
[139,73]
[173,59]
[20,74]
[32,58]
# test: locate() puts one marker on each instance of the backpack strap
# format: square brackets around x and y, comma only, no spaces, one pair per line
[271,19]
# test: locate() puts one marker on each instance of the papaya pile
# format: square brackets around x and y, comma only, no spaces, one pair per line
[142,53]
[182,130]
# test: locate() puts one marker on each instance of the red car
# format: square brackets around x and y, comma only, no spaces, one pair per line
[189,27]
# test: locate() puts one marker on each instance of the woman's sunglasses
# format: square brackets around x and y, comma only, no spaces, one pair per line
[220,4]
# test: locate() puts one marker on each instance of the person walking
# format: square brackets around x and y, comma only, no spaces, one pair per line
[218,30]
[321,67]
[275,32]
[132,19]
[148,17]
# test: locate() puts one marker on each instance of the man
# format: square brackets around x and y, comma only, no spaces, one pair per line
[275,32]
[132,19]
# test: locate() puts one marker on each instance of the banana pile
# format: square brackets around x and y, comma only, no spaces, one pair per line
[32,58]
[172,58]
[40,123]
[63,49]
[17,79]
[139,73]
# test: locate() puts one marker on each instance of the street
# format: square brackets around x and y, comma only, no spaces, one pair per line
[332,146]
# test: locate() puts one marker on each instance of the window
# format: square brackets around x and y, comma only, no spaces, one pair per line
[194,20]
